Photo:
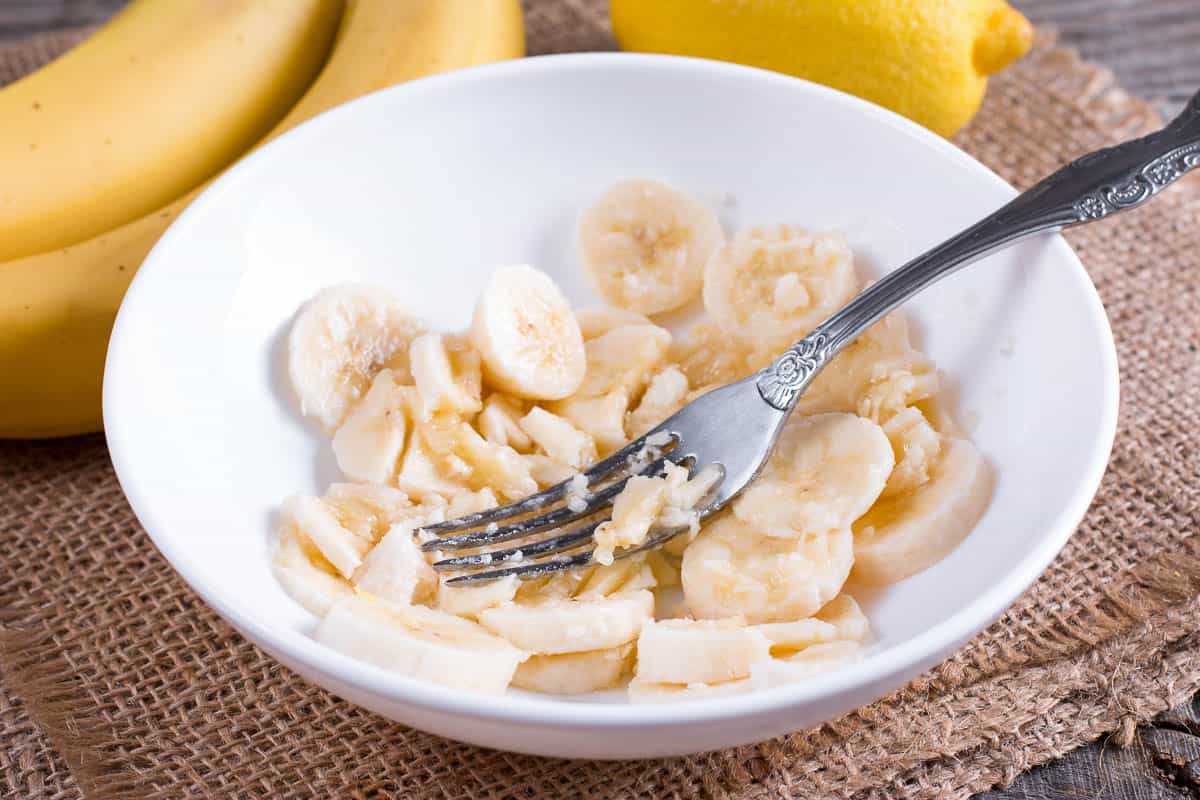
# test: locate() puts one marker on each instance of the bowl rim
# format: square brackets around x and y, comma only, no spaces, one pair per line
[875,670]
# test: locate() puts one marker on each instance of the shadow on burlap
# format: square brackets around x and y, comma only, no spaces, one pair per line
[118,683]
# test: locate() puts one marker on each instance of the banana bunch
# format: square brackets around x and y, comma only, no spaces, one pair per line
[102,149]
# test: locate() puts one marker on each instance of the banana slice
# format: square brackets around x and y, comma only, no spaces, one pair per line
[814,660]
[470,599]
[396,569]
[452,457]
[340,547]
[699,651]
[846,616]
[623,359]
[665,394]
[546,471]
[496,466]
[664,567]
[560,586]
[902,535]
[558,438]
[421,643]
[576,673]
[825,473]
[421,476]
[465,503]
[602,418]
[368,510]
[731,569]
[528,337]
[306,575]
[447,373]
[339,341]
[644,245]
[348,520]
[774,283]
[626,575]
[500,423]
[710,357]
[840,620]
[570,626]
[594,322]
[876,376]
[916,445]
[369,441]
[648,692]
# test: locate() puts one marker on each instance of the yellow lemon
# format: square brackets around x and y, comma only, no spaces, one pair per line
[926,59]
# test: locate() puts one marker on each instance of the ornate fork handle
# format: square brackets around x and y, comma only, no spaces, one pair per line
[1090,188]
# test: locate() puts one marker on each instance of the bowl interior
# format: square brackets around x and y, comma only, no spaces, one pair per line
[427,188]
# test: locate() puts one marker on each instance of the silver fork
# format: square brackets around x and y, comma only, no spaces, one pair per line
[736,426]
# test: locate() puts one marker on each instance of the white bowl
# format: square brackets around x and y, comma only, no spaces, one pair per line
[428,186]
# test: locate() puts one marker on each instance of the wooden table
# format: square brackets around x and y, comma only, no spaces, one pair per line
[1153,46]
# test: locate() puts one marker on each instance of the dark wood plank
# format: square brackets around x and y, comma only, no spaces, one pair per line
[1153,46]
[1162,763]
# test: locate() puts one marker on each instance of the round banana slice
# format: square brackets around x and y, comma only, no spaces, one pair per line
[825,473]
[340,340]
[528,337]
[644,245]
[904,534]
[732,569]
[876,376]
[421,643]
[576,673]
[774,283]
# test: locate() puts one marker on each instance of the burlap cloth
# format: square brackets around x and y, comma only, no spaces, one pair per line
[118,682]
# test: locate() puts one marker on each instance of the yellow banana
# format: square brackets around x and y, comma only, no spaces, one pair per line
[57,308]
[158,100]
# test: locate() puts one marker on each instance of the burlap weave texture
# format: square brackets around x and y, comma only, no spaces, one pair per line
[116,681]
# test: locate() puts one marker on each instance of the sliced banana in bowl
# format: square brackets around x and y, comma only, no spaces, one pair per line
[644,245]
[826,471]
[429,426]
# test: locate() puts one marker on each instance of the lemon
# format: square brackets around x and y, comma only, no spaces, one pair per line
[926,59]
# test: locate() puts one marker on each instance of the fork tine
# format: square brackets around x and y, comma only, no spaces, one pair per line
[536,502]
[537,569]
[573,538]
[559,563]
[553,519]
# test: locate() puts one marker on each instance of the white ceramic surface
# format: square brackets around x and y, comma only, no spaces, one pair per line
[426,187]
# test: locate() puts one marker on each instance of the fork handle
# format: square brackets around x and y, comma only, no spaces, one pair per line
[1092,187]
